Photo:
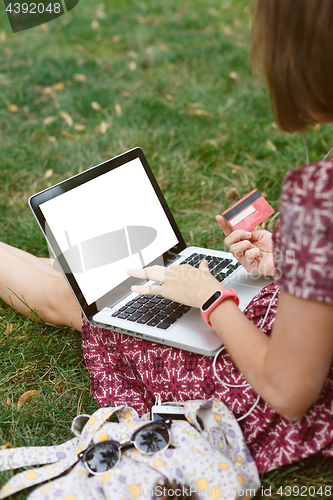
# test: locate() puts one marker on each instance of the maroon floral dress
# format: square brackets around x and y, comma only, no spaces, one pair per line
[124,369]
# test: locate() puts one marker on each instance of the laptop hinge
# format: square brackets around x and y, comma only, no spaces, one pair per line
[170,261]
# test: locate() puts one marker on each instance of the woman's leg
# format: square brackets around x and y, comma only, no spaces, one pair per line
[26,279]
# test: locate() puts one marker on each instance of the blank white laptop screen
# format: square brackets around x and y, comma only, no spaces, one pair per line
[108,225]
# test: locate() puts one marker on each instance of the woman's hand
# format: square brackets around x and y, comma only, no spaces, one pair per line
[253,250]
[181,283]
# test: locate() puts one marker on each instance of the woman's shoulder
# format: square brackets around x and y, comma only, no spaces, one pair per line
[303,239]
[308,184]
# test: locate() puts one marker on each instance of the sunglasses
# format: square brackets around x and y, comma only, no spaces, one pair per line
[149,439]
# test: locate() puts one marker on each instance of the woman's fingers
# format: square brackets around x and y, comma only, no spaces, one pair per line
[238,249]
[224,225]
[252,254]
[236,236]
[154,273]
[181,283]
[203,266]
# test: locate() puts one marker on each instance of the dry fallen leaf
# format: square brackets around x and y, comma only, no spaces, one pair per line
[49,119]
[6,445]
[232,194]
[214,12]
[132,53]
[116,38]
[212,142]
[141,20]
[100,12]
[67,117]
[79,77]
[95,24]
[132,65]
[48,92]
[48,173]
[234,76]
[199,112]
[8,401]
[58,86]
[274,126]
[96,106]
[79,127]
[44,27]
[195,105]
[25,396]
[270,145]
[163,47]
[9,328]
[103,127]
[169,97]
[13,108]
[68,134]
[227,30]
[118,109]
[202,112]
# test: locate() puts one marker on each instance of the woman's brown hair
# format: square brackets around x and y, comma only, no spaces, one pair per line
[293,46]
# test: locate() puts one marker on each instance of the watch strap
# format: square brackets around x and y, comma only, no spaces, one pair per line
[215,300]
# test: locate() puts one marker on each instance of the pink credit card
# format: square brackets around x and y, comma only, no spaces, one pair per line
[248,212]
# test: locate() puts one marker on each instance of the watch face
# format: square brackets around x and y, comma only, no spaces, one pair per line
[211,300]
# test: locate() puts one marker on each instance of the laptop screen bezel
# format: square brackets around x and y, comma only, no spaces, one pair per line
[52,192]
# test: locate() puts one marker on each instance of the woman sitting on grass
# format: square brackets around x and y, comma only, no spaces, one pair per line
[289,362]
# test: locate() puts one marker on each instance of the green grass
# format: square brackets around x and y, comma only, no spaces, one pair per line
[172,77]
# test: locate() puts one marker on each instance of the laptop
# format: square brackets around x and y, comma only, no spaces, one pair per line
[113,217]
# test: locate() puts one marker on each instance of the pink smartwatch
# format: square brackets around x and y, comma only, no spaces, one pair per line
[214,300]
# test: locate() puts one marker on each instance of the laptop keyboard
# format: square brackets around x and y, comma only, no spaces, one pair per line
[156,311]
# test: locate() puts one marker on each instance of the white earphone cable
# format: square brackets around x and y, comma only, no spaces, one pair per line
[326,156]
[307,159]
